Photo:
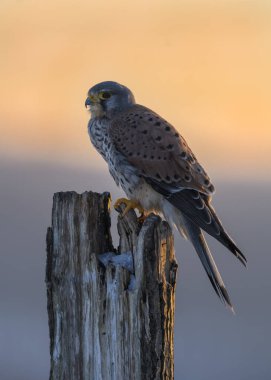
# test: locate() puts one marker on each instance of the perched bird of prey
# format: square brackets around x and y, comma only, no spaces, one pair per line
[157,170]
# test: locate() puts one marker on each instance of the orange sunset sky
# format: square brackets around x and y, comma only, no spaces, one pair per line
[203,65]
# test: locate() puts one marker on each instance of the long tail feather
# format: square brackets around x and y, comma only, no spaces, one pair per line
[196,207]
[196,237]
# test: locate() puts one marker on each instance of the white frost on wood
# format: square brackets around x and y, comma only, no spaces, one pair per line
[124,260]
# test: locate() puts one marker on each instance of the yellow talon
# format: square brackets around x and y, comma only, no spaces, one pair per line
[142,217]
[130,205]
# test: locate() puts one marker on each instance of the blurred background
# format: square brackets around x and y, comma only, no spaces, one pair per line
[205,67]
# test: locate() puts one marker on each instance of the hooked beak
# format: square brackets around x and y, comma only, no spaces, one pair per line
[90,100]
[87,102]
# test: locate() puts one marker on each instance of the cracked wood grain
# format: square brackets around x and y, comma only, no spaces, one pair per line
[109,320]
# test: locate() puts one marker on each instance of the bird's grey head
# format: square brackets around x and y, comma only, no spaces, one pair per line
[107,98]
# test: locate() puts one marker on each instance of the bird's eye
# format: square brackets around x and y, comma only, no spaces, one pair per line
[104,95]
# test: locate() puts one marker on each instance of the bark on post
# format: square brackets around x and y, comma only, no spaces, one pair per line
[111,313]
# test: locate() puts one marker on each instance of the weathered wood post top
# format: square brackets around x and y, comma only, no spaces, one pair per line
[111,311]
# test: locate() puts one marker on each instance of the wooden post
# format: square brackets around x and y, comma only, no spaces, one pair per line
[111,313]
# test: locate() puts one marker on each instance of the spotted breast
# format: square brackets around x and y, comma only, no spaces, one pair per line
[123,173]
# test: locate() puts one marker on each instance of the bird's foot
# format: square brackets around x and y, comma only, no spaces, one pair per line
[142,217]
[130,205]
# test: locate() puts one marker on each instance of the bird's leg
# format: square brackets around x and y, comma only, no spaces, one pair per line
[129,205]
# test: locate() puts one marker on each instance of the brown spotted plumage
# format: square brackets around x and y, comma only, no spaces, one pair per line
[157,150]
[153,164]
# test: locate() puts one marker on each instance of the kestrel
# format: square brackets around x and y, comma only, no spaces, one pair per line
[157,170]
